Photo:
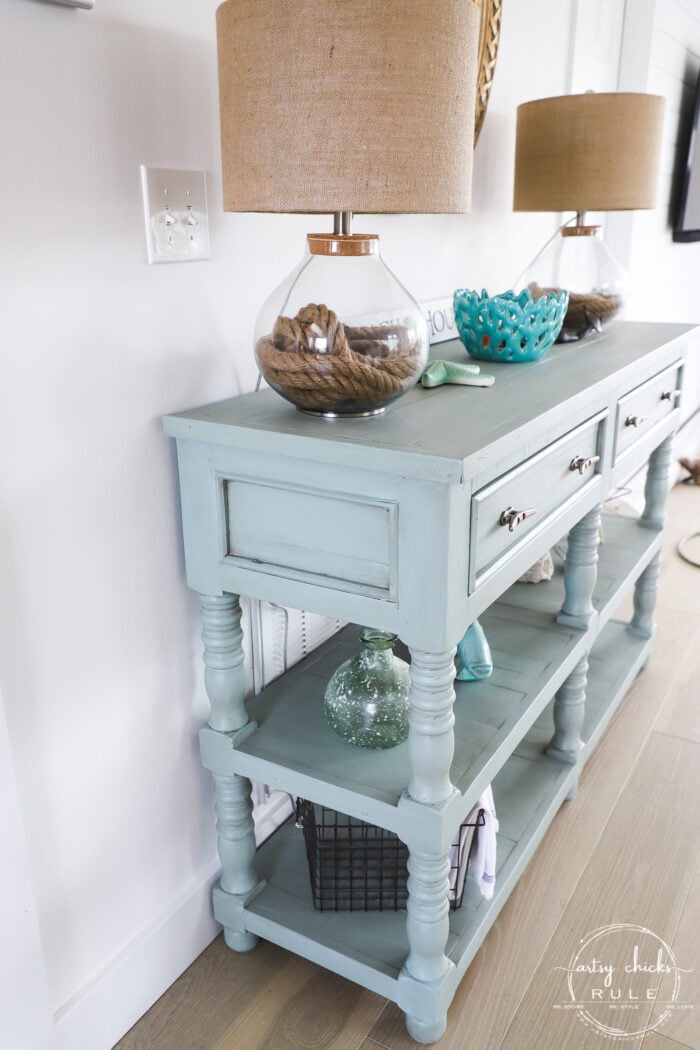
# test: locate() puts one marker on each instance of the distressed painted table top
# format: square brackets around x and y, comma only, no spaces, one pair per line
[441,432]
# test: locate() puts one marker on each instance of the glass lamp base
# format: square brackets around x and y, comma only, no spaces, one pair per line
[341,336]
[342,415]
[576,259]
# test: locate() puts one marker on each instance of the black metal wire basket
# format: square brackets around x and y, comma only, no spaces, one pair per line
[356,866]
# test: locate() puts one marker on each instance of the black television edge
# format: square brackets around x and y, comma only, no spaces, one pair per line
[688,220]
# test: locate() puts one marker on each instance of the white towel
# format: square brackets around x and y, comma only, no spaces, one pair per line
[483,861]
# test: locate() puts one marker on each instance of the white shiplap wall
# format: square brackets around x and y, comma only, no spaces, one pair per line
[596,40]
[661,54]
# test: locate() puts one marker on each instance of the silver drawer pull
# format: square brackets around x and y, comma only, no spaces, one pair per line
[635,421]
[512,517]
[581,465]
[670,395]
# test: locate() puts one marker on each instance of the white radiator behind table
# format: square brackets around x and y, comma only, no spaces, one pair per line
[276,639]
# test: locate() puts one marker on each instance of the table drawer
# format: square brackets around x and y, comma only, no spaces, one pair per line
[643,407]
[507,510]
[329,539]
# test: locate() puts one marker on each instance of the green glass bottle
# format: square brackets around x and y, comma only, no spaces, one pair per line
[366,700]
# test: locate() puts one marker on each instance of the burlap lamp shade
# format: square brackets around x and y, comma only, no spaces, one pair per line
[347,105]
[591,152]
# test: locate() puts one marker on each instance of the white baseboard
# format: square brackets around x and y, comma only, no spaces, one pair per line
[113,1001]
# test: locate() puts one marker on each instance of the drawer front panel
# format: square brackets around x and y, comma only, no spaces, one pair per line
[320,538]
[638,411]
[540,484]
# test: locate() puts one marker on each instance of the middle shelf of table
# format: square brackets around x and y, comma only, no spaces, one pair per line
[292,749]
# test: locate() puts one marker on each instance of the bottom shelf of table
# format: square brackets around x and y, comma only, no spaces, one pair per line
[370,947]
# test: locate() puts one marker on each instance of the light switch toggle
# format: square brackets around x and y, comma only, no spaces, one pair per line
[175,214]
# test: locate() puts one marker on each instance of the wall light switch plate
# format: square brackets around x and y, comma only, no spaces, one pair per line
[175,214]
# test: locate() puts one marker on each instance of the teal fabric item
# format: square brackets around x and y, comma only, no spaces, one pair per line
[473,655]
[509,327]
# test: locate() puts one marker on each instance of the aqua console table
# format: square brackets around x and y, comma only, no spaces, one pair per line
[414,522]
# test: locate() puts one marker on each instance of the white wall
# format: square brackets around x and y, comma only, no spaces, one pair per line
[25,1017]
[99,645]
[98,641]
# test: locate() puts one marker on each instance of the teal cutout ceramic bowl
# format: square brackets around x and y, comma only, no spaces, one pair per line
[508,327]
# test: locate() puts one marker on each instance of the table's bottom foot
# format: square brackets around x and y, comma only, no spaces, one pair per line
[426,1031]
[240,942]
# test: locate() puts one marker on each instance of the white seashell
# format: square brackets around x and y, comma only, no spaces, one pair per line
[543,569]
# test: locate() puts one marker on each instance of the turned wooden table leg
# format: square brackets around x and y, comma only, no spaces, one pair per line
[580,571]
[431,741]
[236,841]
[431,749]
[569,706]
[580,574]
[224,670]
[428,926]
[653,517]
[642,623]
[225,683]
[656,487]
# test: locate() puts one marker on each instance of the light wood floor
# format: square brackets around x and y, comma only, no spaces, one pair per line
[626,849]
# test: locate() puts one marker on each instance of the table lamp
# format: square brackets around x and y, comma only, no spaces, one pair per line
[589,152]
[340,107]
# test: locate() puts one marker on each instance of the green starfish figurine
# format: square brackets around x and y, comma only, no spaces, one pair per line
[439,372]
